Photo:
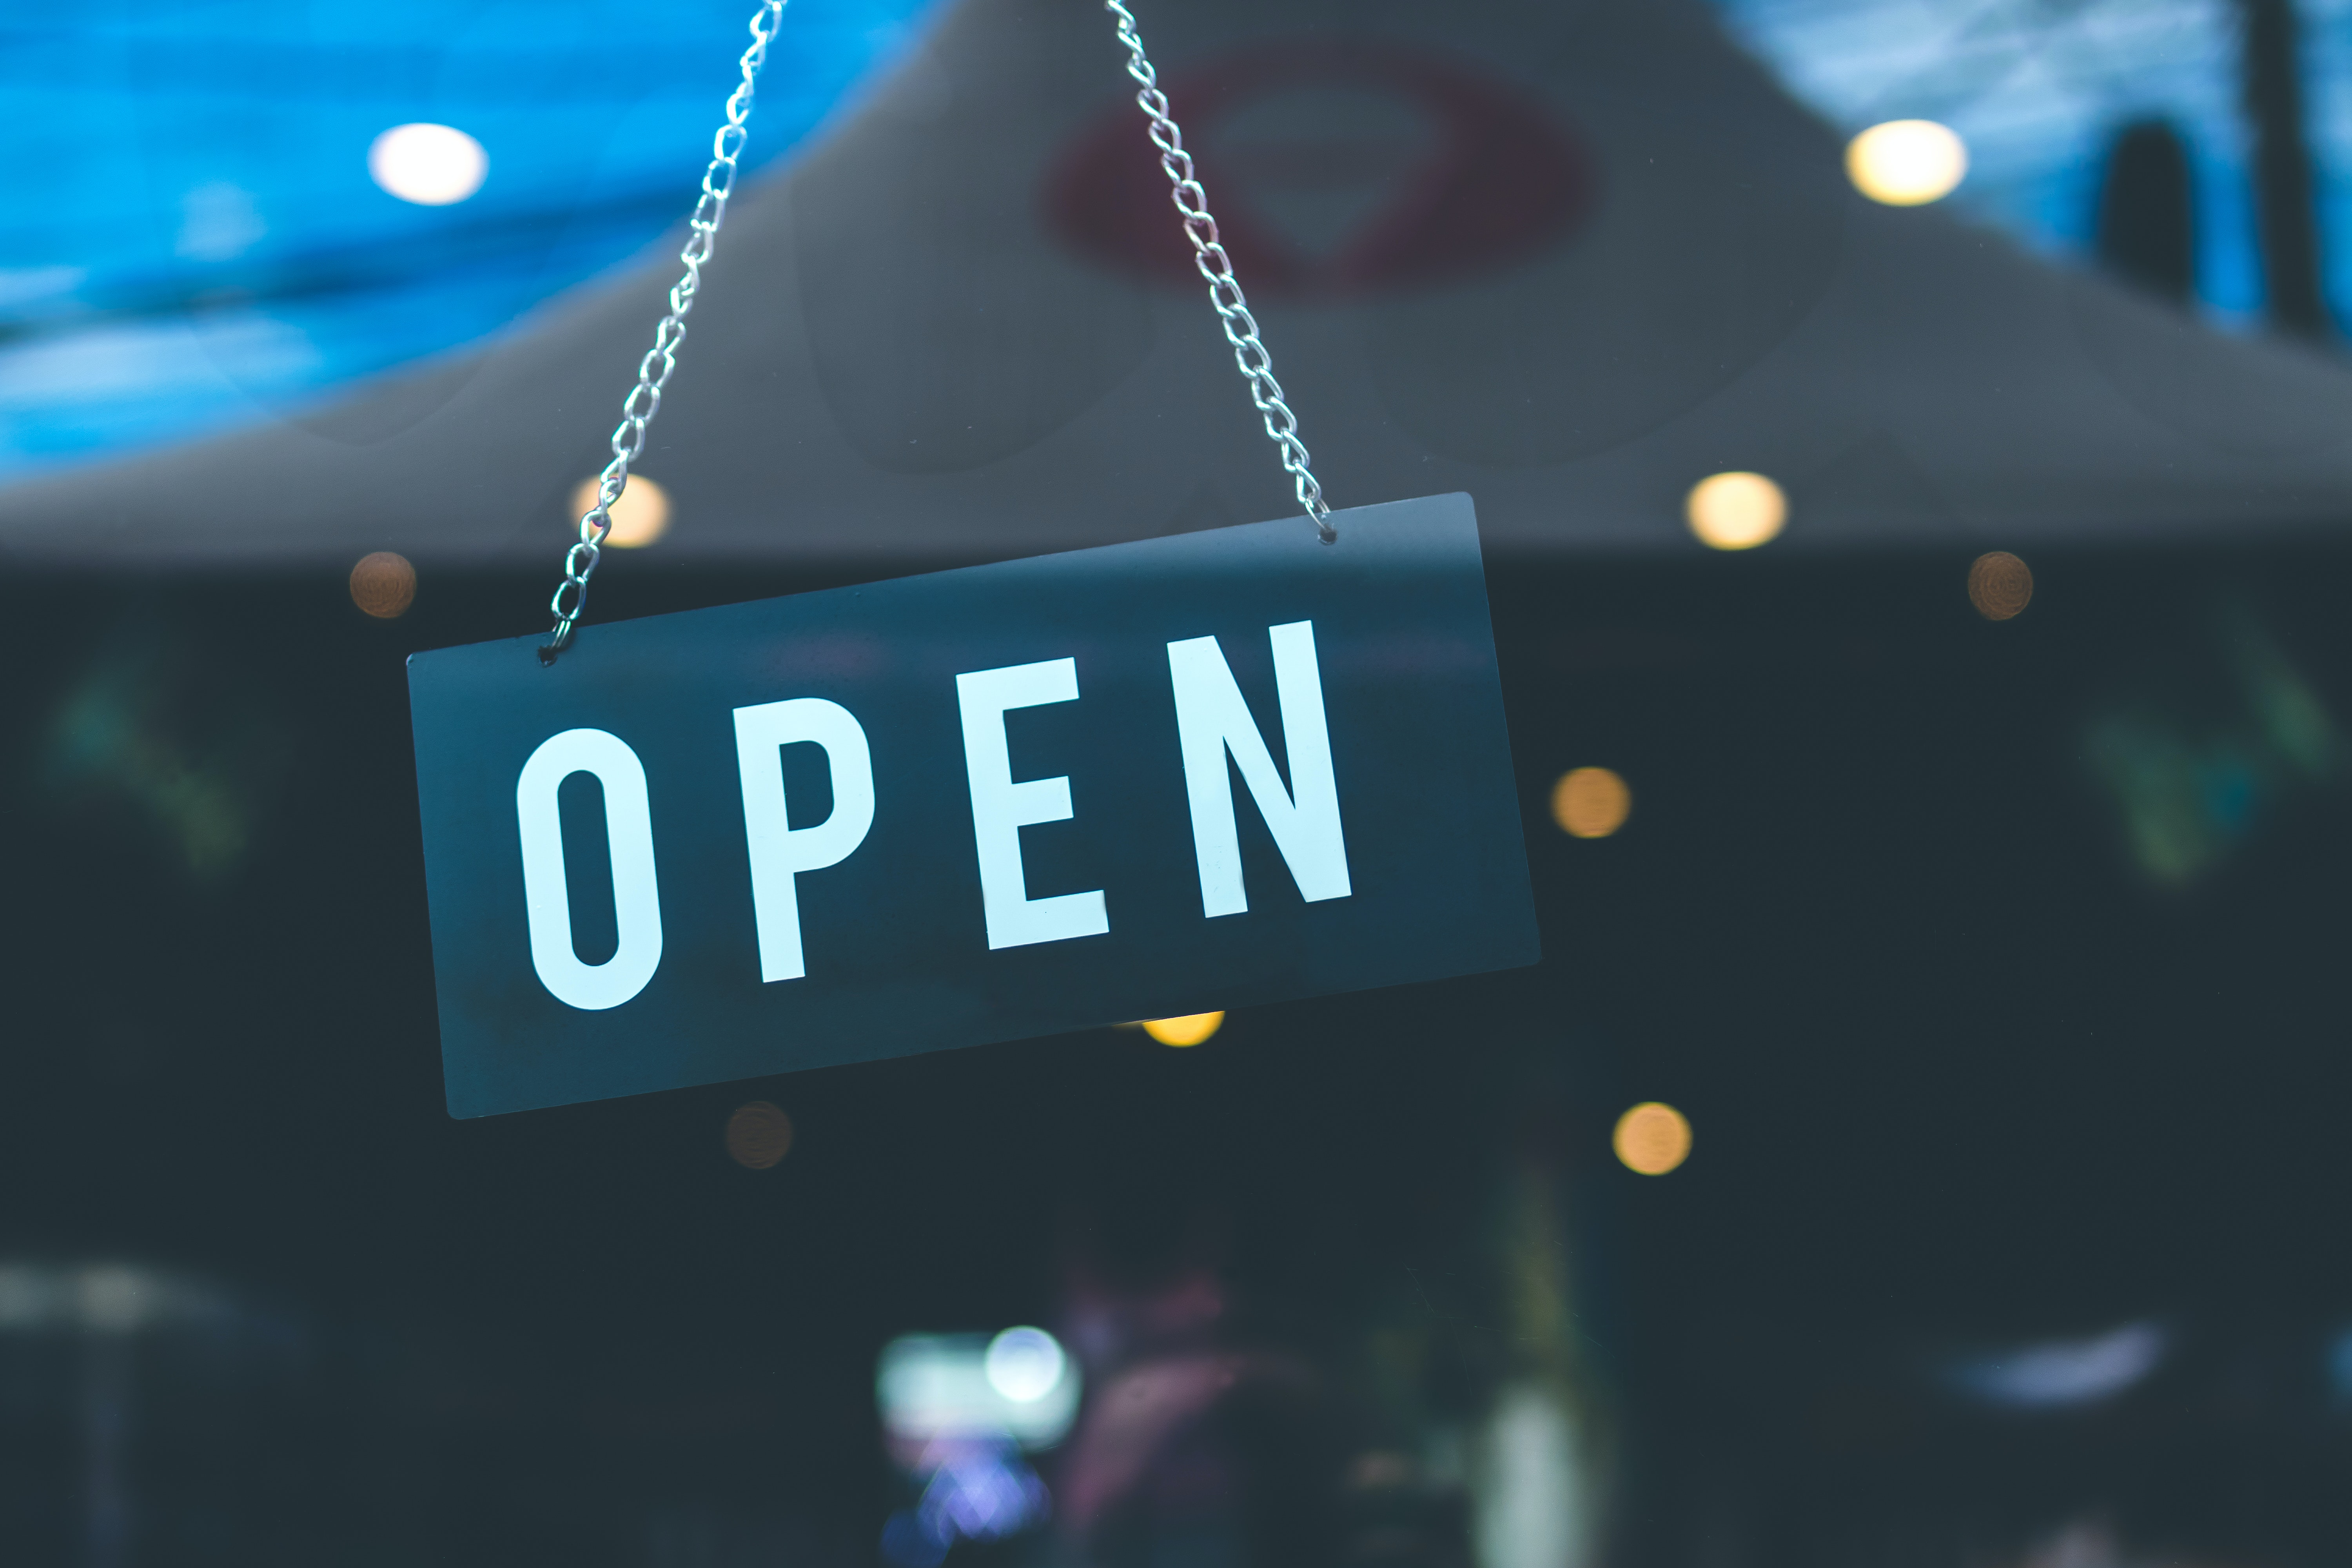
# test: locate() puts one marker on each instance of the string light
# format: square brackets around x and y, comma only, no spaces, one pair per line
[1188,1030]
[1737,511]
[383,585]
[639,518]
[431,165]
[1024,1365]
[2000,586]
[758,1135]
[1906,162]
[1590,803]
[1653,1137]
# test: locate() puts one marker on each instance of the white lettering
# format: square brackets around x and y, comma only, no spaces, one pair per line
[629,833]
[1211,721]
[778,850]
[1002,808]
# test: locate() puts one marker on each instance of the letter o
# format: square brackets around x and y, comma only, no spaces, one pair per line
[629,830]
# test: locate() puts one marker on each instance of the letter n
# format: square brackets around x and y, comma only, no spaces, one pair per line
[1211,723]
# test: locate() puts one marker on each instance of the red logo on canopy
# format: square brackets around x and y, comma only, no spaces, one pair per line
[1333,167]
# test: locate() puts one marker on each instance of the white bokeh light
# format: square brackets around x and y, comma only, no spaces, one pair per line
[1024,1365]
[432,165]
[1908,163]
[1736,510]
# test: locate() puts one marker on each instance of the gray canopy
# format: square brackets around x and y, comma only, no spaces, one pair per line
[1569,257]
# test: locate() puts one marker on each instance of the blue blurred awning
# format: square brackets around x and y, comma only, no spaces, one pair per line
[192,240]
[1570,259]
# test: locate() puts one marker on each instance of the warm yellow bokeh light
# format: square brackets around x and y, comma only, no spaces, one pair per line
[1906,162]
[1736,510]
[639,517]
[1189,1030]
[1653,1137]
[2000,586]
[1590,803]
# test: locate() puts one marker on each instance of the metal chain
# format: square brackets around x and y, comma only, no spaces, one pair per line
[643,400]
[637,410]
[1225,291]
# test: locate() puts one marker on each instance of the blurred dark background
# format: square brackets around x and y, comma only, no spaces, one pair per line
[1983,919]
[1965,1076]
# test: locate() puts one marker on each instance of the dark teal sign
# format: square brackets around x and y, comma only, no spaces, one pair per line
[1194,773]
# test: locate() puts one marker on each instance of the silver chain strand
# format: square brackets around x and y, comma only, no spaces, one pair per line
[637,410]
[1224,289]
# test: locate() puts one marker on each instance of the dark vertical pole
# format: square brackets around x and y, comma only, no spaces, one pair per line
[2146,221]
[2283,179]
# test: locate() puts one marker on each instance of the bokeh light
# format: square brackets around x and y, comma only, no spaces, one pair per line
[383,585]
[758,1135]
[946,1397]
[432,165]
[1653,1137]
[1906,162]
[1736,510]
[1189,1030]
[2056,1374]
[640,517]
[2000,586]
[1590,803]
[1024,1365]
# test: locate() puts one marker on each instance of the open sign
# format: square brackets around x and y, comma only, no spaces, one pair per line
[1012,800]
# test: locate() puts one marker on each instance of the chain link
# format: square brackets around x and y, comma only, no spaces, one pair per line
[1224,289]
[643,400]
